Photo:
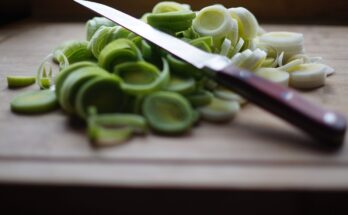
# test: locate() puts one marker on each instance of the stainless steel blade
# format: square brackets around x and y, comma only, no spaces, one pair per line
[175,46]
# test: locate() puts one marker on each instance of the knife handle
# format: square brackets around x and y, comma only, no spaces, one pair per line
[326,126]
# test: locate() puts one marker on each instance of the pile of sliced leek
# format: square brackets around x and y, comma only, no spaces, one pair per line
[121,85]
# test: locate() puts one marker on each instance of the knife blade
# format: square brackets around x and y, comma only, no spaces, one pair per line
[328,127]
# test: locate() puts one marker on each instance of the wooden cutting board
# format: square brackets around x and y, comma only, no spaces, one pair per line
[255,151]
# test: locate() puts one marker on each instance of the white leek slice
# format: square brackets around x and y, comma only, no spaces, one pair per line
[280,59]
[226,94]
[247,23]
[272,54]
[289,66]
[269,62]
[237,48]
[255,60]
[225,47]
[239,58]
[308,76]
[215,21]
[274,75]
[306,58]
[248,59]
[219,110]
[289,42]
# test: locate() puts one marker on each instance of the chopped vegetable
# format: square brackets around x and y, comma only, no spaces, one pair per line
[216,21]
[34,102]
[274,75]
[117,52]
[308,76]
[168,112]
[103,93]
[94,24]
[20,81]
[119,83]
[112,129]
[220,110]
[139,78]
[247,23]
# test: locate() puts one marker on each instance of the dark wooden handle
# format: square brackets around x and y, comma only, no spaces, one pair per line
[326,126]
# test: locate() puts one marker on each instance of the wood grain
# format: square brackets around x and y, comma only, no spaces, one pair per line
[256,150]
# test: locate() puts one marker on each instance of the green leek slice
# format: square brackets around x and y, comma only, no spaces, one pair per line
[140,78]
[103,93]
[104,36]
[75,52]
[34,102]
[182,68]
[117,52]
[65,73]
[170,6]
[203,43]
[74,82]
[182,85]
[94,24]
[200,98]
[171,22]
[20,81]
[113,129]
[168,112]
[226,94]
[219,110]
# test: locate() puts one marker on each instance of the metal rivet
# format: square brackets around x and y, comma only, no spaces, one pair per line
[244,74]
[330,118]
[287,96]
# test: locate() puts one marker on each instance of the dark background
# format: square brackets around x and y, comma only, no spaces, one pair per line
[267,11]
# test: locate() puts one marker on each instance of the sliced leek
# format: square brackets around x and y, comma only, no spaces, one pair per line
[182,85]
[20,81]
[104,36]
[34,102]
[170,6]
[73,83]
[168,112]
[215,21]
[75,52]
[171,22]
[226,94]
[103,93]
[288,42]
[200,98]
[140,78]
[219,110]
[274,75]
[94,24]
[113,129]
[113,79]
[247,23]
[66,72]
[308,76]
[117,52]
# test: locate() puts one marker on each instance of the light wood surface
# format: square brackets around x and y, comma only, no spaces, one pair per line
[255,151]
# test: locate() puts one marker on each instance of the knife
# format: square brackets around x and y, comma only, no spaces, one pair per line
[327,127]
